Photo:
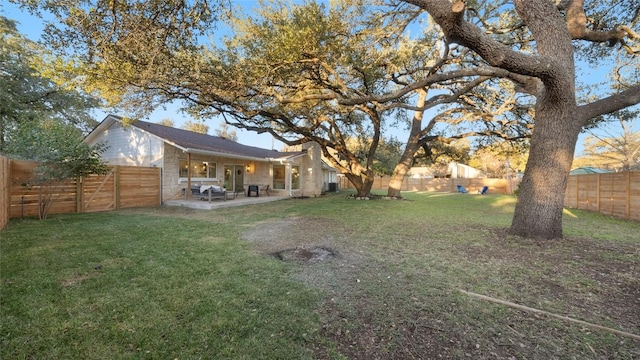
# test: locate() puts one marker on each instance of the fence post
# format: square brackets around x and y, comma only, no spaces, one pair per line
[116,187]
[598,191]
[628,191]
[5,187]
[578,192]
[611,196]
[79,193]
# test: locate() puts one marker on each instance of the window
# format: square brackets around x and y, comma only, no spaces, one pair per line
[199,169]
[295,177]
[278,176]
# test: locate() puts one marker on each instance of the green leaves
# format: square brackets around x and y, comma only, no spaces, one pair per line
[28,95]
[59,150]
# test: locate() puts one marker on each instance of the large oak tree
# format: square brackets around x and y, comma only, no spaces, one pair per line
[551,69]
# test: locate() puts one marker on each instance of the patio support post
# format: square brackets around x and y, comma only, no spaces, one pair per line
[188,189]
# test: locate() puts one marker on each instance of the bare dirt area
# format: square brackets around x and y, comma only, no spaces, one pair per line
[387,301]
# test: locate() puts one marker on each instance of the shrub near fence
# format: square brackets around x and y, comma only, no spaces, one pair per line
[123,187]
[496,186]
[615,194]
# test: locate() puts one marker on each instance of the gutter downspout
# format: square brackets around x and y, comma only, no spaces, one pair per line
[188,189]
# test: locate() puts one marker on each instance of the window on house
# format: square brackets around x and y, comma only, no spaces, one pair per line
[199,169]
[279,176]
[295,177]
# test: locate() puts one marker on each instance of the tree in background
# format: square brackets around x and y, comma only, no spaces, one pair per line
[167,122]
[28,95]
[618,151]
[501,159]
[195,126]
[42,118]
[438,155]
[224,132]
[60,153]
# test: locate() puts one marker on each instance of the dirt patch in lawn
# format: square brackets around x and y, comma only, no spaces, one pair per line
[400,300]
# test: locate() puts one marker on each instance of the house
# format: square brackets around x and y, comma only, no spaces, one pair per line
[451,170]
[588,170]
[188,158]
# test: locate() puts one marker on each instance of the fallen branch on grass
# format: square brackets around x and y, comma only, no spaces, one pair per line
[561,317]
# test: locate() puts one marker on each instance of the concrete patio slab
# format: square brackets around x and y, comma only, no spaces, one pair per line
[220,203]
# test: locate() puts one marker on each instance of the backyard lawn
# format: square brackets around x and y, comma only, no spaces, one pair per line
[318,278]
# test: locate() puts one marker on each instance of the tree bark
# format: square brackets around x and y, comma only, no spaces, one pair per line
[413,143]
[538,212]
[363,184]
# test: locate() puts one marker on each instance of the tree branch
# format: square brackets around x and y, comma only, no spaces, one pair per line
[607,105]
[578,30]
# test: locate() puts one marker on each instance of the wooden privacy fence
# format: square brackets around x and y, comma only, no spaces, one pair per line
[122,187]
[5,191]
[615,194]
[496,186]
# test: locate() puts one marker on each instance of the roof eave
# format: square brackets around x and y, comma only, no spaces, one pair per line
[223,154]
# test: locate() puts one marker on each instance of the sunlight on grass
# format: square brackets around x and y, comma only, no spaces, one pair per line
[568,212]
[506,202]
[183,283]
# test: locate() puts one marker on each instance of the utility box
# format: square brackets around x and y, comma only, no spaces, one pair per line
[333,187]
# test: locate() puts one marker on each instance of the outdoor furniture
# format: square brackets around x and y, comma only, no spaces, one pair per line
[484,190]
[265,189]
[253,189]
[208,192]
[462,190]
[239,189]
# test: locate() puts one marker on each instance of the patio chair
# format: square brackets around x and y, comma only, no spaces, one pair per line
[484,190]
[265,189]
[238,190]
[462,190]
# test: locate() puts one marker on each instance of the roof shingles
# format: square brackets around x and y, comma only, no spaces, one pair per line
[202,142]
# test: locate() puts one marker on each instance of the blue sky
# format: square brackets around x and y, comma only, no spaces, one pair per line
[33,26]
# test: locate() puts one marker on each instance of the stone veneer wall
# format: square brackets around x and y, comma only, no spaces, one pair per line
[311,171]
[170,173]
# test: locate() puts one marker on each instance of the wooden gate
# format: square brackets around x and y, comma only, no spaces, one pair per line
[97,192]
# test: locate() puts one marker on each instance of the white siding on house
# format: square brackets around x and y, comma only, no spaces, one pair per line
[130,146]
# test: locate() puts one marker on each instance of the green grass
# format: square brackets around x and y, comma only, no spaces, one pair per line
[163,289]
[182,283]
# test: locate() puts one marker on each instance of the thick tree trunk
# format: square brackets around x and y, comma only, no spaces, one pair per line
[413,143]
[401,169]
[538,212]
[362,183]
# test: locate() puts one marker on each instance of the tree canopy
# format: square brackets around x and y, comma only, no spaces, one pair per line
[30,93]
[615,149]
[305,72]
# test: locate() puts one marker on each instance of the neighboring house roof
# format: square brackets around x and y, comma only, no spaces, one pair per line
[189,141]
[420,172]
[588,170]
